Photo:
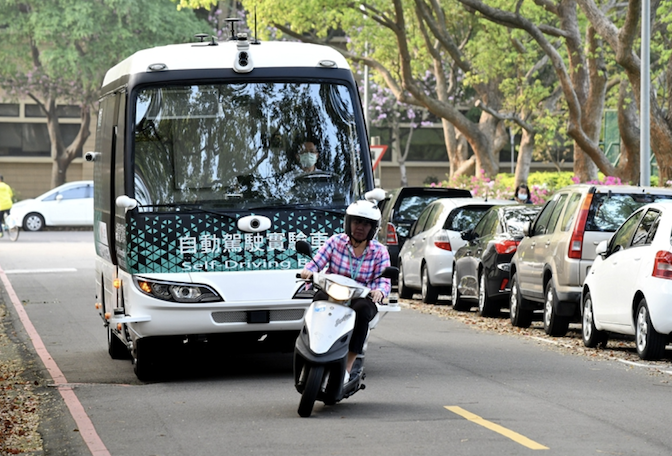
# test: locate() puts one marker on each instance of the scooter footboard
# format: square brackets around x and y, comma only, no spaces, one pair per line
[383,309]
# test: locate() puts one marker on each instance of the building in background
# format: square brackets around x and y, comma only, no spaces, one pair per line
[25,149]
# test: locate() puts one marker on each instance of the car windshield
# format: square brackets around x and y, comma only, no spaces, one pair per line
[237,146]
[464,218]
[410,207]
[516,218]
[609,210]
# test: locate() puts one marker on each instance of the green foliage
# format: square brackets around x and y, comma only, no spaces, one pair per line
[542,184]
[62,48]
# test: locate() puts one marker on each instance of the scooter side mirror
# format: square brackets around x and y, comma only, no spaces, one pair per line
[390,272]
[304,248]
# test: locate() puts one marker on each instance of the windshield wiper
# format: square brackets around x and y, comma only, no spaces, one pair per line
[331,210]
[191,208]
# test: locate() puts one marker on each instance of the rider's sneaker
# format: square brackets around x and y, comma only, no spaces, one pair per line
[346,377]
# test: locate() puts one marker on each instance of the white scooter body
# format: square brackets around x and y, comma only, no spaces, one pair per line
[321,349]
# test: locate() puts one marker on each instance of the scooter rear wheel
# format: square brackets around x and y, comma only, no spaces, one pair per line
[312,387]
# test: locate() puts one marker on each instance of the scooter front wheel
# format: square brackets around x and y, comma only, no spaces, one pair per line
[312,387]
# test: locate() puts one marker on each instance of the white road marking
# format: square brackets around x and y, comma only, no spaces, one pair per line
[39,271]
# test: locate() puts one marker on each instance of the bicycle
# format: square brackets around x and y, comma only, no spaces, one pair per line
[10,227]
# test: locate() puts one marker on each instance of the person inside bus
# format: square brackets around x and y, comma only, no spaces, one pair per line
[307,157]
[357,255]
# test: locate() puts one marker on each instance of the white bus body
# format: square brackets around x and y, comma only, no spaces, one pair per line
[199,196]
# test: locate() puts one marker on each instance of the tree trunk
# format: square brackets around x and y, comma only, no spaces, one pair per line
[407,148]
[622,41]
[524,157]
[396,149]
[62,156]
[628,126]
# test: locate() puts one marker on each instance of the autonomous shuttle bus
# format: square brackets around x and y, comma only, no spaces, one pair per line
[203,187]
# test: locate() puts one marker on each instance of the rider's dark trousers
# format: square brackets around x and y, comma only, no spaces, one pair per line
[365,310]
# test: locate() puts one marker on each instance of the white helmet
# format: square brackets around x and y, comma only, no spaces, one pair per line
[366,210]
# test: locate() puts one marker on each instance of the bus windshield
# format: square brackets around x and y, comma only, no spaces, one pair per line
[243,146]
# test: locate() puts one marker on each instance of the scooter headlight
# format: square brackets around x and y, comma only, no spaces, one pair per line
[338,292]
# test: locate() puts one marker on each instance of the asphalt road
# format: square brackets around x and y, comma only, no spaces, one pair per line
[434,386]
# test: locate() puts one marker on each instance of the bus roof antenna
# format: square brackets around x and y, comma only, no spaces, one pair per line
[255,40]
[232,21]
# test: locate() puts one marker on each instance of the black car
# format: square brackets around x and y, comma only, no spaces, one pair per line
[481,269]
[401,207]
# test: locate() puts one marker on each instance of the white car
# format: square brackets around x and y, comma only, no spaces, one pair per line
[629,287]
[70,204]
[426,259]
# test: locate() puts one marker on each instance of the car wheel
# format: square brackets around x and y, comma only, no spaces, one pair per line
[458,303]
[404,291]
[520,317]
[485,305]
[650,343]
[592,337]
[554,325]
[430,294]
[33,222]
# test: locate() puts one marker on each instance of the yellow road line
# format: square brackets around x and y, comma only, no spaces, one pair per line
[521,439]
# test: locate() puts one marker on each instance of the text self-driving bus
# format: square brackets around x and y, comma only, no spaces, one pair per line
[201,191]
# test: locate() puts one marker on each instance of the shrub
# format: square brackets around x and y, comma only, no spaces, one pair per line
[542,184]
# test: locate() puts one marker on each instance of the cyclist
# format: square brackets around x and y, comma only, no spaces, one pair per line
[5,202]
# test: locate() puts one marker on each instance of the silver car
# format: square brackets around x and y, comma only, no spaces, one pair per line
[426,259]
[558,250]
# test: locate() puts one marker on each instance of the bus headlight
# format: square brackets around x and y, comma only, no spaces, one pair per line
[177,292]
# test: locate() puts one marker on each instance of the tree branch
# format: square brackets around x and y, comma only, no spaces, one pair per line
[574,129]
[498,115]
[425,16]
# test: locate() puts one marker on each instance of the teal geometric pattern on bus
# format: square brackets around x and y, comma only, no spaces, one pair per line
[159,243]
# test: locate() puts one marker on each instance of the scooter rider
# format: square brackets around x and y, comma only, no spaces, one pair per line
[355,254]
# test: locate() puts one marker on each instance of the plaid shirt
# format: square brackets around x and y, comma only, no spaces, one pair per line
[336,254]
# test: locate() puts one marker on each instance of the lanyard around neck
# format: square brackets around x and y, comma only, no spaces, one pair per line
[355,273]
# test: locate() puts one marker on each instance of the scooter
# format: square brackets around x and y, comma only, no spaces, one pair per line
[321,350]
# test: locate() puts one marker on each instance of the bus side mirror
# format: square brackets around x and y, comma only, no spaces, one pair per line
[126,203]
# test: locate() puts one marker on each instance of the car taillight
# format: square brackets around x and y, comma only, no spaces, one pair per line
[576,242]
[503,285]
[662,266]
[507,246]
[392,235]
[443,245]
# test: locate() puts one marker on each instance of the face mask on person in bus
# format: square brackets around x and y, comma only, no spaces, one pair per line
[307,159]
[522,196]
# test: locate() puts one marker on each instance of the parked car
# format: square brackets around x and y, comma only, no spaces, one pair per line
[553,260]
[629,288]
[481,269]
[70,204]
[401,207]
[426,259]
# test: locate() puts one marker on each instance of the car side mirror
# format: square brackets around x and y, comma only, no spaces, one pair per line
[526,229]
[601,249]
[59,197]
[467,235]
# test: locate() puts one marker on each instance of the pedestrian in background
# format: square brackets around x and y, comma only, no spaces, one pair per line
[522,194]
